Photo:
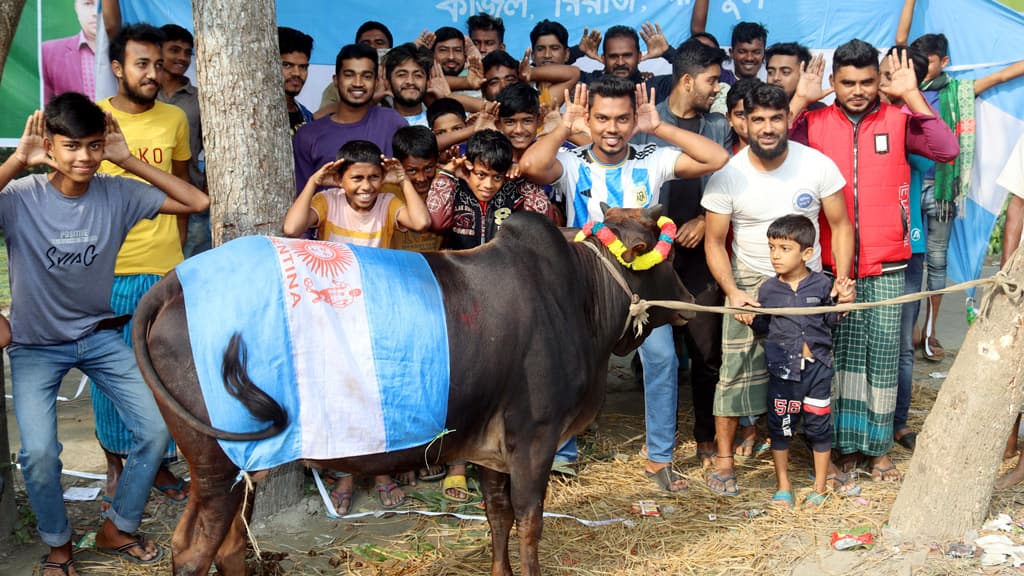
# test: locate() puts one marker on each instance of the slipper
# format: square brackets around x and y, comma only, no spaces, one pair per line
[724,480]
[783,498]
[908,441]
[123,551]
[179,487]
[455,482]
[755,449]
[385,488]
[427,476]
[665,478]
[814,500]
[878,473]
[64,567]
[342,508]
[842,480]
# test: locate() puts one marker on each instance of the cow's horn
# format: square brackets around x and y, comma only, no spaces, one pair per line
[655,212]
[604,208]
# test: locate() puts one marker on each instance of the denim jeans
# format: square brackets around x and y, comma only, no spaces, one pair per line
[908,317]
[938,231]
[36,373]
[661,392]
[567,452]
[199,238]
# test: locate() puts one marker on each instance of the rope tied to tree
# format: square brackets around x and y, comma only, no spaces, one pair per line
[1001,283]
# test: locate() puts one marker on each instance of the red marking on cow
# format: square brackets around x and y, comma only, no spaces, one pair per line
[470,319]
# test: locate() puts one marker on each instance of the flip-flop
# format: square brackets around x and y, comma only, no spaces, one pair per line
[64,567]
[428,477]
[724,480]
[815,500]
[881,470]
[386,488]
[455,482]
[123,551]
[783,498]
[665,478]
[178,487]
[908,441]
[342,509]
[842,479]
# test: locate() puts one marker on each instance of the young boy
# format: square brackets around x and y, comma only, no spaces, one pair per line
[798,351]
[353,210]
[416,148]
[63,233]
[469,209]
[736,116]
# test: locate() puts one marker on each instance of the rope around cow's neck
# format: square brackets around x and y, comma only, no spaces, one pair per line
[637,307]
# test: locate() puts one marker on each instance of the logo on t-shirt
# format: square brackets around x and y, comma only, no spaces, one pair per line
[803,199]
[915,234]
[640,192]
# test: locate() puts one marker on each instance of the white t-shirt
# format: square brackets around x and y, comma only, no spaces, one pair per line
[632,183]
[755,199]
[1012,176]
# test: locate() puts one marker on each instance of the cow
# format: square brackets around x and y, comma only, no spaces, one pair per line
[532,321]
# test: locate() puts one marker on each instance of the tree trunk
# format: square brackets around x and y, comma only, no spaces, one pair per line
[949,485]
[10,13]
[248,149]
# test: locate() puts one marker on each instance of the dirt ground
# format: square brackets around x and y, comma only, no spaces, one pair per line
[697,532]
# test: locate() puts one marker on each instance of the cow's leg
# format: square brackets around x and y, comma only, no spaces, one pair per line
[213,507]
[231,555]
[497,498]
[531,468]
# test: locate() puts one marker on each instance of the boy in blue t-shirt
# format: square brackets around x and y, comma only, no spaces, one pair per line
[63,231]
[798,351]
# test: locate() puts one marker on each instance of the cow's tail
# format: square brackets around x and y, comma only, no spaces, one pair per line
[236,379]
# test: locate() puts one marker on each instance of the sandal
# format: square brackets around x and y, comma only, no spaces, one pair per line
[878,474]
[64,567]
[783,499]
[840,484]
[665,478]
[908,440]
[178,487]
[815,500]
[455,482]
[933,350]
[433,473]
[140,543]
[344,501]
[385,489]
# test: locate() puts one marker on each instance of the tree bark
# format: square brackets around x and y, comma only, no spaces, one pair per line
[248,149]
[949,485]
[10,13]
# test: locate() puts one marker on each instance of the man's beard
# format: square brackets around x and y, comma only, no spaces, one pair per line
[408,102]
[770,153]
[136,96]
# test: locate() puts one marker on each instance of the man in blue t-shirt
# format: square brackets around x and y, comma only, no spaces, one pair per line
[63,232]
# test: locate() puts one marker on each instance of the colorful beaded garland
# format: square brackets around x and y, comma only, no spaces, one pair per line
[646,261]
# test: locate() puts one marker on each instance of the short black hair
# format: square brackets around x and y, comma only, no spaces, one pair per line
[74,115]
[748,32]
[358,152]
[918,58]
[491,148]
[788,49]
[856,53]
[611,86]
[414,142]
[620,31]
[518,98]
[707,35]
[484,21]
[930,44]
[739,91]
[374,25]
[446,33]
[443,107]
[355,52]
[403,53]
[175,33]
[694,57]
[795,227]
[549,28]
[766,96]
[292,40]
[500,58]
[141,32]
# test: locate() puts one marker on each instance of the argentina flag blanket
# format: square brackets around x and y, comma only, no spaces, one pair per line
[351,341]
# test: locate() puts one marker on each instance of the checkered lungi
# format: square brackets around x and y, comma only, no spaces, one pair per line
[867,352]
[743,379]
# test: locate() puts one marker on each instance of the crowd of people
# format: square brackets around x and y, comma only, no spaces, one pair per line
[779,199]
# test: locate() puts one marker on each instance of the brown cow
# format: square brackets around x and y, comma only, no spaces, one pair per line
[532,372]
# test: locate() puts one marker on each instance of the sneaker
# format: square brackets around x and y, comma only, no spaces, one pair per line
[933,350]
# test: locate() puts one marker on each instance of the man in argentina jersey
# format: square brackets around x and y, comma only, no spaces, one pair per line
[622,175]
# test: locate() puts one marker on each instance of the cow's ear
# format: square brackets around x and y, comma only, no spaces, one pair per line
[604,208]
[636,249]
[655,212]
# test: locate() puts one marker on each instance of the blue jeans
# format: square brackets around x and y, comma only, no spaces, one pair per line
[36,373]
[661,392]
[908,317]
[199,237]
[938,230]
[567,452]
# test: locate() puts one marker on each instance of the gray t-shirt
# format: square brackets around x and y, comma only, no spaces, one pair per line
[61,252]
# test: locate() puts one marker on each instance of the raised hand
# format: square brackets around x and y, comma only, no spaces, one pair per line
[447,158]
[655,40]
[437,84]
[382,88]
[575,108]
[394,172]
[590,43]
[648,118]
[811,74]
[487,117]
[425,39]
[31,150]
[115,148]
[327,176]
[475,65]
[525,68]
[904,80]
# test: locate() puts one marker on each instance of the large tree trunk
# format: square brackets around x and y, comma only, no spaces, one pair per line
[947,490]
[10,13]
[248,148]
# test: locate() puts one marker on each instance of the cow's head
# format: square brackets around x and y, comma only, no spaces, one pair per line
[638,230]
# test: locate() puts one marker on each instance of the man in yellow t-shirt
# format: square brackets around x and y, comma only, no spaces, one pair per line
[158,134]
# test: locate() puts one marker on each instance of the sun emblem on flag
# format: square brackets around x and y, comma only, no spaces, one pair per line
[325,258]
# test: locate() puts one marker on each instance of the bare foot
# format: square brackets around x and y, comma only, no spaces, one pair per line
[706,454]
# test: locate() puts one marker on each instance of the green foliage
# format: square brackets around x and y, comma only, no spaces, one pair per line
[995,242]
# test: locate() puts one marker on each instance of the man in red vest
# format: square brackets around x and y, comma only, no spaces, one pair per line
[869,140]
